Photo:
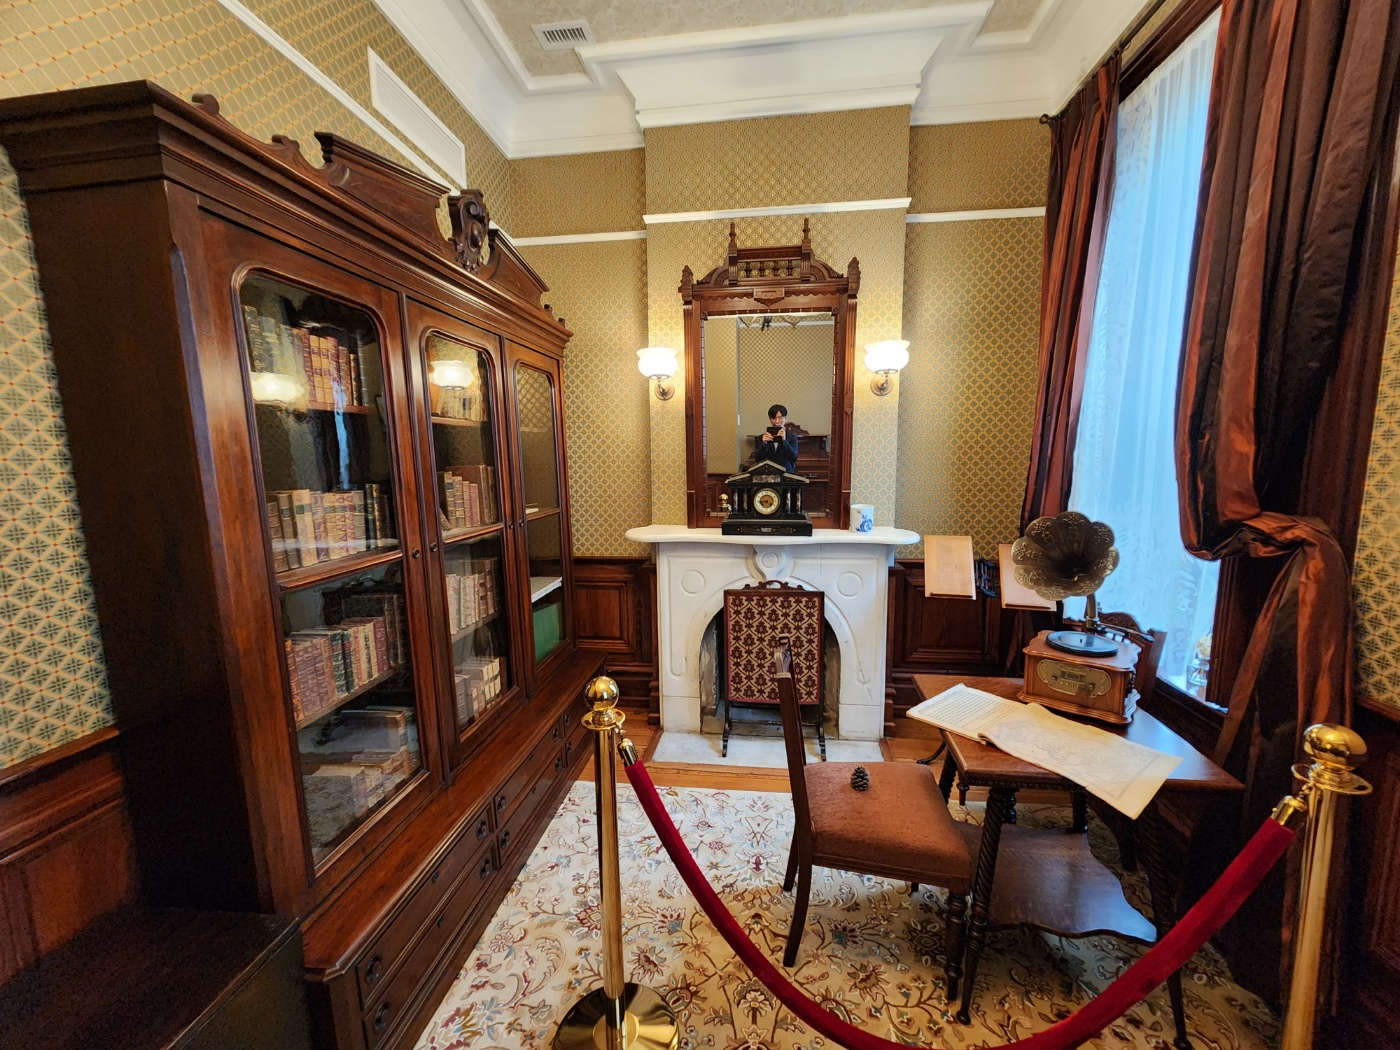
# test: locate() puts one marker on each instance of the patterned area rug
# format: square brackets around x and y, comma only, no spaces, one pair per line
[756,752]
[871,952]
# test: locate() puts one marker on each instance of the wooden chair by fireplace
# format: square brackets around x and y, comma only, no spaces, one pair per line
[754,617]
[899,827]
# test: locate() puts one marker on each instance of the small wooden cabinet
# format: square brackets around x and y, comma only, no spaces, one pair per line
[319,453]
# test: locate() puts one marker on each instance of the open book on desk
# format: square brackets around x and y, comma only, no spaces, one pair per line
[1124,774]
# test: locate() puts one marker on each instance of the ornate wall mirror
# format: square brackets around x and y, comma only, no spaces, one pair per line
[769,326]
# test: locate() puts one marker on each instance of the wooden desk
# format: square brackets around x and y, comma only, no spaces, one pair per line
[1049,879]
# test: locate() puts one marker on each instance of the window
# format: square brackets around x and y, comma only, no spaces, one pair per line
[1124,468]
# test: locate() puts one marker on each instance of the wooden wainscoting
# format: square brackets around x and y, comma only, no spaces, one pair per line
[615,613]
[940,635]
[66,850]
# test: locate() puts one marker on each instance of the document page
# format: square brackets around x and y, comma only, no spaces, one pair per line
[1124,774]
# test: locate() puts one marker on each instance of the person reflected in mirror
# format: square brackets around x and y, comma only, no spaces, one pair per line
[779,443]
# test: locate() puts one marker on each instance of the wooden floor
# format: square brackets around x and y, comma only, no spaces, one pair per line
[912,740]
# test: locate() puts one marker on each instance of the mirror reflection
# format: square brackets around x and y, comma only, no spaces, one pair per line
[753,364]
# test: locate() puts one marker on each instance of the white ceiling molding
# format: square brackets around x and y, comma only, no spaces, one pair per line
[415,118]
[777,209]
[285,48]
[975,215]
[856,62]
[934,59]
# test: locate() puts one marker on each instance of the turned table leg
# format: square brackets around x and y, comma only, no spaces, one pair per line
[999,803]
[1149,835]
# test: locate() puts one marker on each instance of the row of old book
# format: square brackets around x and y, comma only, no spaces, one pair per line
[468,496]
[309,527]
[477,682]
[325,664]
[330,370]
[471,596]
[366,754]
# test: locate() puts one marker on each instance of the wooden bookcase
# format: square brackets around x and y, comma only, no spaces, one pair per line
[319,452]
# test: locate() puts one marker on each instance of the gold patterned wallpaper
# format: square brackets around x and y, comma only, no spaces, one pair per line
[52,673]
[600,291]
[972,314]
[965,167]
[579,193]
[783,365]
[1376,572]
[809,159]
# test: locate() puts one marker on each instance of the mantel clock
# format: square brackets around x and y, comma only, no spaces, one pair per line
[767,501]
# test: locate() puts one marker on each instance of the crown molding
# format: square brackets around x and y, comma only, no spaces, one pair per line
[935,60]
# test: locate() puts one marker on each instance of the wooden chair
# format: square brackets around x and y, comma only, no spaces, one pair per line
[898,828]
[753,617]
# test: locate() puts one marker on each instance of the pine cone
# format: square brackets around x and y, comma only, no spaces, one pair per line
[860,778]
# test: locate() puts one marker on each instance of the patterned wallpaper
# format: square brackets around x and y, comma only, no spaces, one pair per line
[972,315]
[600,291]
[550,195]
[52,674]
[1377,567]
[962,167]
[811,159]
[791,366]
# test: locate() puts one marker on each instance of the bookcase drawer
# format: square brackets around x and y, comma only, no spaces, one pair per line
[380,959]
[513,831]
[541,756]
[381,1016]
[577,738]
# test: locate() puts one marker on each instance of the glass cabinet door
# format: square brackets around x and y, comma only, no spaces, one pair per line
[536,412]
[317,381]
[461,394]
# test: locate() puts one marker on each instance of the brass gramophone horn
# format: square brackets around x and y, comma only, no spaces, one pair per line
[1064,556]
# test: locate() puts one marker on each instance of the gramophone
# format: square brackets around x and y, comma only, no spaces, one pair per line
[1081,672]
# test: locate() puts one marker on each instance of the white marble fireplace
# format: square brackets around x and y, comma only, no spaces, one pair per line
[694,567]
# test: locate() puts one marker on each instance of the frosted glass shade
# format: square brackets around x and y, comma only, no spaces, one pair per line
[276,388]
[886,356]
[451,375]
[657,362]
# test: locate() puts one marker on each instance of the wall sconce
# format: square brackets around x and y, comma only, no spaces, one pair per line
[659,363]
[885,358]
[450,375]
[276,388]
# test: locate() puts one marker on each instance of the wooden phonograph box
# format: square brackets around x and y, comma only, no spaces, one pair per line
[1081,672]
[1096,686]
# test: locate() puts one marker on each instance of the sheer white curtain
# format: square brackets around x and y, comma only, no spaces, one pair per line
[1124,471]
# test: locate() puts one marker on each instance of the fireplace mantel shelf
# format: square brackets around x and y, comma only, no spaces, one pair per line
[680,534]
[694,567]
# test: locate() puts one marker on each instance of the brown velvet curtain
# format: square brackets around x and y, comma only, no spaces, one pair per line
[1299,140]
[1083,138]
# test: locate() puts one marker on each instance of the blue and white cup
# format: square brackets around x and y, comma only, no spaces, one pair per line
[862,517]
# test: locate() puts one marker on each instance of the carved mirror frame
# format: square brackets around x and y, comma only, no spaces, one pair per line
[785,279]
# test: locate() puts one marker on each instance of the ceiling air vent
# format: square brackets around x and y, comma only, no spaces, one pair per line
[562,36]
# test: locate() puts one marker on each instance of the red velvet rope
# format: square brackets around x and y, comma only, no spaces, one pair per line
[1198,925]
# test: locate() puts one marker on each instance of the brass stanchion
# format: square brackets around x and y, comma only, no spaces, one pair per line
[1336,751]
[620,1015]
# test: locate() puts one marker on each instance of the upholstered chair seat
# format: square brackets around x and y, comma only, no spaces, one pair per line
[899,827]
